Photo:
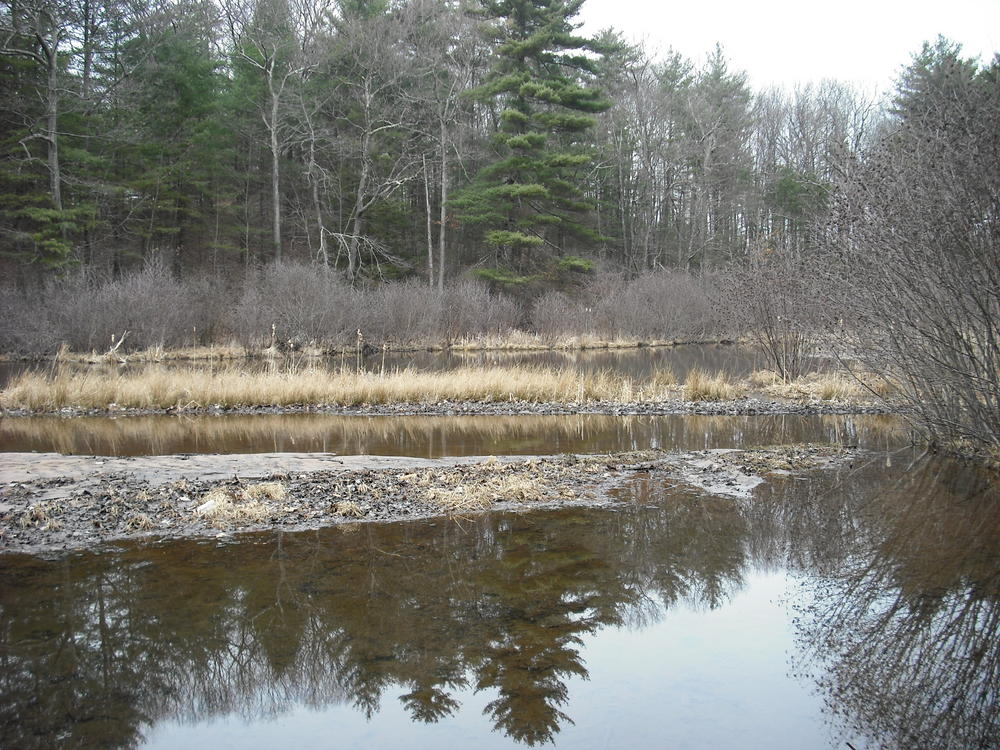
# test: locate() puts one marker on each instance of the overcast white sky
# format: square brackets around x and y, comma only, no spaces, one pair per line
[785,42]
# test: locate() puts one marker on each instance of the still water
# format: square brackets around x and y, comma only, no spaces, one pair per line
[853,605]
[432,436]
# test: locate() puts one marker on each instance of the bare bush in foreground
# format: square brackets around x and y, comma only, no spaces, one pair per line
[919,241]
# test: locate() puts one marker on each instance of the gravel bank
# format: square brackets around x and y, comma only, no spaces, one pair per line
[51,503]
[736,407]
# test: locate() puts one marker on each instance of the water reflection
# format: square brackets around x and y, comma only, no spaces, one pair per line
[897,618]
[736,359]
[902,628]
[431,437]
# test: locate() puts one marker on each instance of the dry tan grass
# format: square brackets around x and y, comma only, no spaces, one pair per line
[222,509]
[347,508]
[700,386]
[663,378]
[268,490]
[764,378]
[165,388]
[828,386]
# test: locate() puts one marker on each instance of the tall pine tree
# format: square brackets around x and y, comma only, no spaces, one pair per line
[529,198]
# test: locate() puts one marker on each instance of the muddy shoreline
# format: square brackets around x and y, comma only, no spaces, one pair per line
[50,504]
[737,407]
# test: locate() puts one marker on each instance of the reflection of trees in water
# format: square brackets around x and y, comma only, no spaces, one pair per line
[903,628]
[191,631]
[96,648]
[428,435]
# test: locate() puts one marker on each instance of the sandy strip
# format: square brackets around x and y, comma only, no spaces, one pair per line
[16,468]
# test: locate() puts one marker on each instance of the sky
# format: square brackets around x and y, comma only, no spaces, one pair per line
[792,42]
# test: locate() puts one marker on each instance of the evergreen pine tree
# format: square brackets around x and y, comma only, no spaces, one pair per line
[530,197]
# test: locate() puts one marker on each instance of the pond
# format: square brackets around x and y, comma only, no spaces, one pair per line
[857,604]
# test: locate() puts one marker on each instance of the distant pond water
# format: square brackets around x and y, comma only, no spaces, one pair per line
[432,436]
[854,605]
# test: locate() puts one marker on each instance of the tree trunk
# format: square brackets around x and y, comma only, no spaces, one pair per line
[52,121]
[357,226]
[443,225]
[313,169]
[430,234]
[275,172]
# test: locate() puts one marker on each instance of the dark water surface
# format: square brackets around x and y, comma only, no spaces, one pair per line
[431,436]
[858,604]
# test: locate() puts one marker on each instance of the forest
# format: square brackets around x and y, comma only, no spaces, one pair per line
[411,138]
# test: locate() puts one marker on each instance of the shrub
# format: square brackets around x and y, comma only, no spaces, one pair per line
[303,303]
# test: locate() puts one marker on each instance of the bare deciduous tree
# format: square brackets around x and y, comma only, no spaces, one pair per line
[917,235]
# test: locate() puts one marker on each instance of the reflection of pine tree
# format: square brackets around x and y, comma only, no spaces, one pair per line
[430,703]
[545,584]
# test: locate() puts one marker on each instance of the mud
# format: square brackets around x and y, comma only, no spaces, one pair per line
[51,503]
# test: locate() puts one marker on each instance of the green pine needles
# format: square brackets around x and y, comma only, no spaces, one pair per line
[529,197]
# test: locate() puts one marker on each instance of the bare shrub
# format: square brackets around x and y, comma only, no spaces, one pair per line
[555,316]
[469,309]
[299,304]
[782,303]
[656,306]
[24,323]
[919,241]
[405,312]
[85,312]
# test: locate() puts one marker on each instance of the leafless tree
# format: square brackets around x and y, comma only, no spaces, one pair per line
[39,30]
[917,235]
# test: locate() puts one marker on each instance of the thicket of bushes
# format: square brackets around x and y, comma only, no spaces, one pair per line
[300,305]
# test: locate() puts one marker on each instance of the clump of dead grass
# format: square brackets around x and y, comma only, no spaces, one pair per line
[764,378]
[267,490]
[478,493]
[700,386]
[40,515]
[827,386]
[139,522]
[347,508]
[223,507]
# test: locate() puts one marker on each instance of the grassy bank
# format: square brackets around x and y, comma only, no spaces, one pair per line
[159,389]
[164,389]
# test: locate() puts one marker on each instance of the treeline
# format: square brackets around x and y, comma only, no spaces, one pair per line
[393,138]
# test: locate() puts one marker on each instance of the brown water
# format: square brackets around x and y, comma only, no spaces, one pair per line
[735,359]
[430,436]
[859,605]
